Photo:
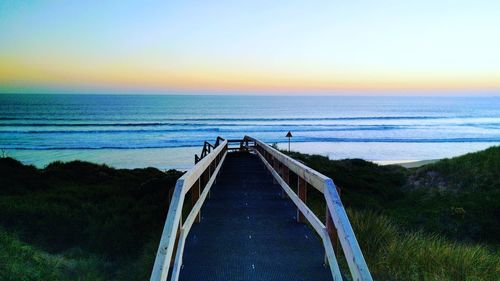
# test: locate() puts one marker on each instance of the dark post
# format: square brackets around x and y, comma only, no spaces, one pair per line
[289,136]
[176,243]
[276,167]
[285,174]
[302,192]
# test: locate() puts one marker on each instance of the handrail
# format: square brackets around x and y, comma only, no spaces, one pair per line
[174,228]
[204,173]
[272,159]
[206,149]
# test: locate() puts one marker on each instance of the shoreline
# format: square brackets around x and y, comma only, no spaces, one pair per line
[408,155]
[406,163]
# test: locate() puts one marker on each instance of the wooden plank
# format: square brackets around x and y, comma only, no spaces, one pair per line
[274,163]
[285,174]
[354,256]
[313,177]
[332,231]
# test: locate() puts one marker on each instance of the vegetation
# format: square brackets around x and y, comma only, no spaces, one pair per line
[81,221]
[20,261]
[436,222]
[363,184]
[77,215]
[393,254]
[457,197]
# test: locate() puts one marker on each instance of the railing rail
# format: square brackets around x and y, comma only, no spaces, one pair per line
[337,222]
[200,177]
[206,149]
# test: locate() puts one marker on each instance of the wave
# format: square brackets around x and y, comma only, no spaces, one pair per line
[237,129]
[153,121]
[196,143]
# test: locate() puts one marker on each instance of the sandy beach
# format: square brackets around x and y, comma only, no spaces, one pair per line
[407,163]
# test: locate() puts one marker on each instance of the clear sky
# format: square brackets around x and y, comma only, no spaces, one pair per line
[268,46]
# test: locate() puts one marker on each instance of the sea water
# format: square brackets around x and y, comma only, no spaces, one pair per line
[166,131]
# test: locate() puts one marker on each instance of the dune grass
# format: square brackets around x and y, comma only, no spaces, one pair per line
[457,198]
[20,261]
[396,254]
[392,254]
[425,233]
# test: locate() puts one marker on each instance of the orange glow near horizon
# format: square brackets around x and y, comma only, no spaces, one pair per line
[16,75]
[323,48]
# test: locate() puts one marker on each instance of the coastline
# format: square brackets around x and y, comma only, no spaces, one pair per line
[408,155]
[181,158]
[407,163]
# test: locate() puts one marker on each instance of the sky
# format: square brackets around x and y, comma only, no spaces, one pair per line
[250,46]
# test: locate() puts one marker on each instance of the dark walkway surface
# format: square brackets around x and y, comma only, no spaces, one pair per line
[248,232]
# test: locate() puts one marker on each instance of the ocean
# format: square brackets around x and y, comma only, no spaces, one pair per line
[129,131]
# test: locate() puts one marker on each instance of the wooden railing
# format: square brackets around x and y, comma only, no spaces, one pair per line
[198,180]
[336,226]
[206,149]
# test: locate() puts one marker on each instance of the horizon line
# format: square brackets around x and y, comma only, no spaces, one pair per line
[360,93]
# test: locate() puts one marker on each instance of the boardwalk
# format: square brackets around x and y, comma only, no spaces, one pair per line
[248,232]
[246,229]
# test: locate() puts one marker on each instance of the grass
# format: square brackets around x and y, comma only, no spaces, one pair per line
[457,197]
[411,231]
[393,254]
[472,172]
[20,261]
[364,185]
[88,213]
[81,221]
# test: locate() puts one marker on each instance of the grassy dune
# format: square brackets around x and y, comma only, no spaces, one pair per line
[81,221]
[393,254]
[80,215]
[436,222]
[458,198]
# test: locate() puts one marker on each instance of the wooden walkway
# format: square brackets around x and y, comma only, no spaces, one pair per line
[249,232]
[248,220]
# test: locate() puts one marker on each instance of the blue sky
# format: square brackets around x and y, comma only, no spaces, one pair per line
[250,46]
